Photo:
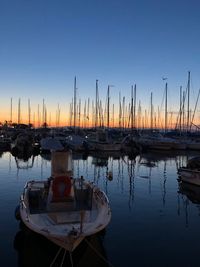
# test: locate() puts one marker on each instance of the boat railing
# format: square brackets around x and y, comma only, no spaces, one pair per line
[102,196]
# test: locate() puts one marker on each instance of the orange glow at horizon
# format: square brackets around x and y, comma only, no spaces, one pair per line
[88,122]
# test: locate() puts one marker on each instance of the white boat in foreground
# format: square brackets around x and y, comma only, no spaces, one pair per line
[191,173]
[64,209]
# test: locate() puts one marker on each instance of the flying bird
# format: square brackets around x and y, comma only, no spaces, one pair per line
[164,78]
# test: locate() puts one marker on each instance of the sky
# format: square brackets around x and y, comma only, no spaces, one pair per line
[44,44]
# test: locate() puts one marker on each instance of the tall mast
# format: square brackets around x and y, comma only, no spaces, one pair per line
[74,103]
[43,112]
[88,112]
[96,105]
[11,110]
[151,119]
[132,107]
[108,107]
[19,111]
[123,112]
[194,110]
[120,110]
[134,113]
[38,116]
[29,112]
[113,116]
[79,119]
[165,107]
[180,112]
[85,114]
[188,110]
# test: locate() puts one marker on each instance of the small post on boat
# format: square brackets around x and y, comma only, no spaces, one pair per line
[61,163]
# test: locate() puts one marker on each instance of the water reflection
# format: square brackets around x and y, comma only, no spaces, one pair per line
[35,250]
[192,192]
[159,214]
[22,163]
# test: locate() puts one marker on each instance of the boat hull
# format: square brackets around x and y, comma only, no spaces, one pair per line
[189,176]
[65,223]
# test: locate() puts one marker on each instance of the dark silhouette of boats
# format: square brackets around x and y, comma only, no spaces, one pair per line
[192,192]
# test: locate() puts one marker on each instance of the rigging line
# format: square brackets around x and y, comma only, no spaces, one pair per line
[63,258]
[71,259]
[98,253]
[59,250]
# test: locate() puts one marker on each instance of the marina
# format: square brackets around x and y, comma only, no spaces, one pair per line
[155,219]
[99,133]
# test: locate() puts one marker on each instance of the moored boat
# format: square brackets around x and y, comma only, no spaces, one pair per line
[62,208]
[191,173]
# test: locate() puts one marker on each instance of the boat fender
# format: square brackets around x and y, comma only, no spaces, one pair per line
[57,182]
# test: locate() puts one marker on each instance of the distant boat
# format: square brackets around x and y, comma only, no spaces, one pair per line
[5,142]
[191,173]
[102,140]
[22,146]
[64,209]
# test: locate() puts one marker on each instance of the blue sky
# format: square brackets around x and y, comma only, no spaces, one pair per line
[45,43]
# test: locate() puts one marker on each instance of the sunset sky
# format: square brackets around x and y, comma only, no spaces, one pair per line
[44,44]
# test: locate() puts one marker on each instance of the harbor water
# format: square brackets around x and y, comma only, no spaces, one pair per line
[155,220]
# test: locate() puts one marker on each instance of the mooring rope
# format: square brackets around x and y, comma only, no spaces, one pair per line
[102,257]
[63,258]
[71,259]
[56,256]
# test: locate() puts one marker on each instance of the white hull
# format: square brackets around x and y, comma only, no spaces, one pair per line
[68,222]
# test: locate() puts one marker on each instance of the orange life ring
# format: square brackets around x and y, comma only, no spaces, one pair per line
[57,183]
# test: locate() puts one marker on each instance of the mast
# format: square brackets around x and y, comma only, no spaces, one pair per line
[123,112]
[194,110]
[43,112]
[75,104]
[96,105]
[29,112]
[134,113]
[19,111]
[108,108]
[188,108]
[165,107]
[113,116]
[38,116]
[85,114]
[180,112]
[151,119]
[120,111]
[88,112]
[11,110]
[132,108]
[79,119]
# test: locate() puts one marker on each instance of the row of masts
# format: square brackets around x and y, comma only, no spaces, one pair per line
[129,115]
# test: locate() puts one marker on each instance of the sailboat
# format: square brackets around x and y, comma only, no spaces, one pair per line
[64,209]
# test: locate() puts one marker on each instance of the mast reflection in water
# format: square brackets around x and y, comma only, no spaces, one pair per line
[155,221]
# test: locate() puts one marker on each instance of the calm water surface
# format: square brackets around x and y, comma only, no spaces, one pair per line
[154,222]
